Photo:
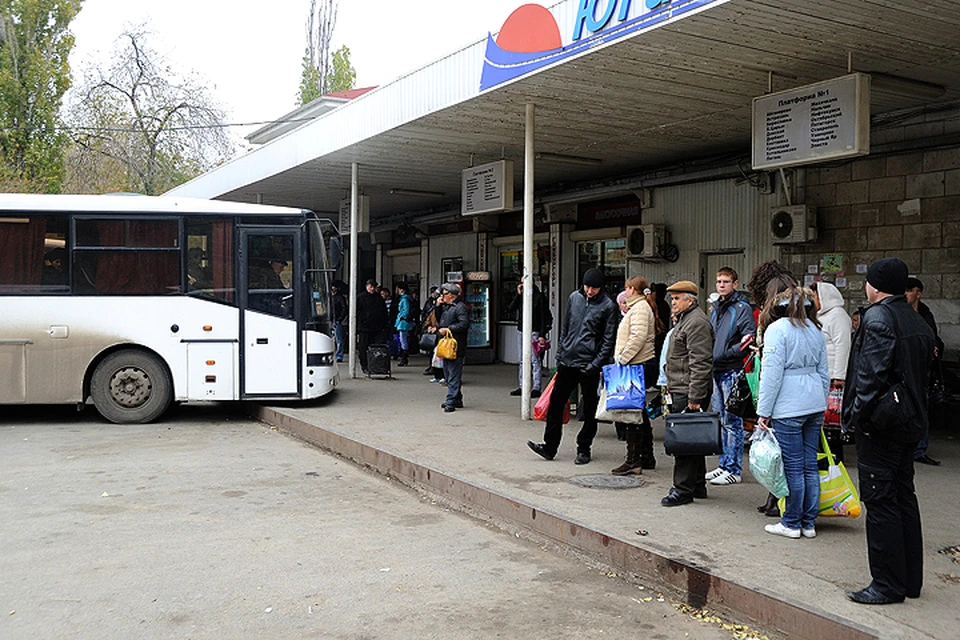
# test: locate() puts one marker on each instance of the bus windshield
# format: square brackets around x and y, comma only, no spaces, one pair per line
[318,278]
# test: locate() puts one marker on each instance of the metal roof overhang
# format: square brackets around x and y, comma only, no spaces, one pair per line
[674,94]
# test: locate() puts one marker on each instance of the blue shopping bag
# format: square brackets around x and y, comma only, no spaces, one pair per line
[625,388]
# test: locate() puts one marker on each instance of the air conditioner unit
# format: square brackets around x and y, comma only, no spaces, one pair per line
[796,223]
[646,241]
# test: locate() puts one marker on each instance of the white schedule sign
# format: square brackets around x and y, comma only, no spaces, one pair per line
[819,122]
[487,188]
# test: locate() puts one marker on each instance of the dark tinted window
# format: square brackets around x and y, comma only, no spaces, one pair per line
[33,257]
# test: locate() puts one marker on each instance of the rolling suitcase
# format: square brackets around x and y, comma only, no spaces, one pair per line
[378,360]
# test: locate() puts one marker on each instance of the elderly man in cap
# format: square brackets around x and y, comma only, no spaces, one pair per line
[372,321]
[689,369]
[455,323]
[885,401]
[586,344]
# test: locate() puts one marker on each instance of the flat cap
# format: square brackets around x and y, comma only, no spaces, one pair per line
[684,286]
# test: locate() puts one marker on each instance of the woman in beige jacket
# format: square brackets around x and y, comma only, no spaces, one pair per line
[635,345]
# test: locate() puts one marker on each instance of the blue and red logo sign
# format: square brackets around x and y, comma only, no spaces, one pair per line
[530,38]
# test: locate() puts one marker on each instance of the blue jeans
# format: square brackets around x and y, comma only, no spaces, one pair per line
[404,339]
[453,374]
[536,362]
[799,440]
[338,333]
[732,457]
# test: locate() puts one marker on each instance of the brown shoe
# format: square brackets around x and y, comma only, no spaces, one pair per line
[627,469]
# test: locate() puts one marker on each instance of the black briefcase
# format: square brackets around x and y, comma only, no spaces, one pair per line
[696,433]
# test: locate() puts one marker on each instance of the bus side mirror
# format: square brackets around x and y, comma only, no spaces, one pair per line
[336,252]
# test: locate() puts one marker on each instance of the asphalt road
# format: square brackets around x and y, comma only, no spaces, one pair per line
[210,525]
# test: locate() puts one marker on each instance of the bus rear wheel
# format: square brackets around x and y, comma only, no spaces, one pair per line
[131,387]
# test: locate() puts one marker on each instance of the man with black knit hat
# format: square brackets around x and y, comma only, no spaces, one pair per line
[885,401]
[586,344]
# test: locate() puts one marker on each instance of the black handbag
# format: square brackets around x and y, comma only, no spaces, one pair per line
[428,342]
[692,434]
[740,400]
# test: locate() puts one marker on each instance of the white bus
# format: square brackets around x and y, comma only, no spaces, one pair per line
[135,302]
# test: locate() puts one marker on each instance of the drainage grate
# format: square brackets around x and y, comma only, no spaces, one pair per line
[608,482]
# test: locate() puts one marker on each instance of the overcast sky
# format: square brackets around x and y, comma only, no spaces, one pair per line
[251,52]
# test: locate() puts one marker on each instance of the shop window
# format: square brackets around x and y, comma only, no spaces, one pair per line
[610,256]
[511,272]
[34,255]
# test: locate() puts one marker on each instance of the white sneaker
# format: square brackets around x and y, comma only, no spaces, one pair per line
[808,533]
[780,530]
[713,474]
[725,478]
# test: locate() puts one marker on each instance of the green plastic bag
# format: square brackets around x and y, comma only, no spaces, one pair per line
[753,378]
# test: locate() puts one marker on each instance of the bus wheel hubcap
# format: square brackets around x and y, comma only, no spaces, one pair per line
[130,387]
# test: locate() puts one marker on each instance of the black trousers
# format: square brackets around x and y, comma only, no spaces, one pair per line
[894,537]
[688,471]
[568,378]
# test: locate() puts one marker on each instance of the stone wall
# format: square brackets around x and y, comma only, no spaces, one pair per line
[904,204]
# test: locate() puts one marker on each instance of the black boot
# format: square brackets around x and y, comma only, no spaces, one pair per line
[631,464]
[403,359]
[647,459]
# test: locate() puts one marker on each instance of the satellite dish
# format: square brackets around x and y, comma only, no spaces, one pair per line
[781,224]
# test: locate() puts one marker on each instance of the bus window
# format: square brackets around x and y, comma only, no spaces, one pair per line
[210,259]
[34,254]
[270,274]
[127,256]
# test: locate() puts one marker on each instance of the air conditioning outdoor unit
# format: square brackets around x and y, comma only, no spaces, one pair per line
[791,224]
[646,241]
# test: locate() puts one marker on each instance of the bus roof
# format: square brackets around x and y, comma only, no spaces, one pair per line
[133,204]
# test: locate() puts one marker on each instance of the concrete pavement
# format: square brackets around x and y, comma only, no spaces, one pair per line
[713,553]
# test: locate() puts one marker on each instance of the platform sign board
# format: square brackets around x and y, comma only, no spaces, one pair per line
[820,122]
[363,215]
[487,188]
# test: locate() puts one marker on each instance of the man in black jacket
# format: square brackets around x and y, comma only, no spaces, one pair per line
[914,293]
[586,344]
[885,401]
[454,322]
[542,323]
[372,321]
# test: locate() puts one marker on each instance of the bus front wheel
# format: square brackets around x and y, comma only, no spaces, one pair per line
[131,386]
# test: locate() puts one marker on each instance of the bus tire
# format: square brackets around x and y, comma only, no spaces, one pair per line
[131,387]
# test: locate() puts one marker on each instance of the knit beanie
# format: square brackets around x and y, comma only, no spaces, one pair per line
[888,275]
[594,278]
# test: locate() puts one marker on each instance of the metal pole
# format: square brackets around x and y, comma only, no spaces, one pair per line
[354,263]
[527,351]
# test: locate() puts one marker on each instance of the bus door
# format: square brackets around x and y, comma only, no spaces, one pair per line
[269,306]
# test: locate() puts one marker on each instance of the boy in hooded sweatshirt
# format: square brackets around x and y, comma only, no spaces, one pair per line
[838,332]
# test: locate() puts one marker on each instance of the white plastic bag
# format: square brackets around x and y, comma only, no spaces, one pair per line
[766,462]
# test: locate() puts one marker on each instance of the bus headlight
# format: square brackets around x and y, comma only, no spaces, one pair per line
[320,359]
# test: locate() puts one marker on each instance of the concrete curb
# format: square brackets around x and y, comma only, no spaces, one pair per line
[694,585]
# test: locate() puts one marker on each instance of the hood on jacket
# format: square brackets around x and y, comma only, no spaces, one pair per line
[830,297]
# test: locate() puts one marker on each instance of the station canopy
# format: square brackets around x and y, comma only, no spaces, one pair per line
[663,97]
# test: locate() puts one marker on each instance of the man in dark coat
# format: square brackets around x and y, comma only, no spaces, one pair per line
[372,321]
[587,337]
[913,294]
[885,401]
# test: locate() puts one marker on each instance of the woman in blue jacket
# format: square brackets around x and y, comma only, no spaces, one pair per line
[794,382]
[406,322]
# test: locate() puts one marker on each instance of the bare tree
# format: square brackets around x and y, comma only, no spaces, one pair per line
[317,63]
[139,126]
